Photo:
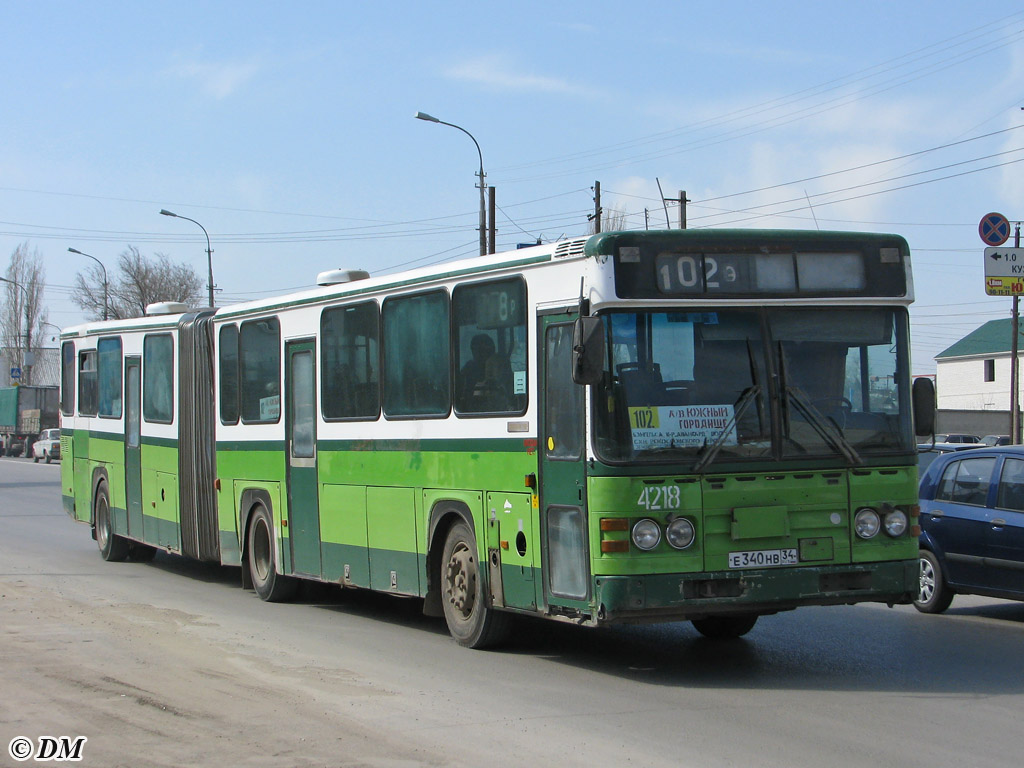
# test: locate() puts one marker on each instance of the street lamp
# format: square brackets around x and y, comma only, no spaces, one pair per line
[106,305]
[209,251]
[59,329]
[480,173]
[28,359]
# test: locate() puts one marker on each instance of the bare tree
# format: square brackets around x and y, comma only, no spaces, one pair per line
[137,283]
[23,314]
[611,221]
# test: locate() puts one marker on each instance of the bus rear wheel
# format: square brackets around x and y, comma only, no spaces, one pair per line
[725,627]
[113,548]
[470,620]
[270,585]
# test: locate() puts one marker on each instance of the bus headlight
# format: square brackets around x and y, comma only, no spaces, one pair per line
[896,523]
[679,533]
[646,535]
[866,523]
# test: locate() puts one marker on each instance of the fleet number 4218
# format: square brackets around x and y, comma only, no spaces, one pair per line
[658,497]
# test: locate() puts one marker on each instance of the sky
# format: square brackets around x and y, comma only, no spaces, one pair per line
[288,132]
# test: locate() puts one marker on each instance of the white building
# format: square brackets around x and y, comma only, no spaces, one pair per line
[974,373]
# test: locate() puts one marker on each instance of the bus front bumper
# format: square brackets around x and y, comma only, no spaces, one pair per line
[672,597]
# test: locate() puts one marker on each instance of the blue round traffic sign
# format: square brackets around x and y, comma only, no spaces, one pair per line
[994,228]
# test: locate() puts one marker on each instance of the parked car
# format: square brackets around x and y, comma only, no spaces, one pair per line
[972,526]
[957,437]
[995,440]
[47,446]
[928,452]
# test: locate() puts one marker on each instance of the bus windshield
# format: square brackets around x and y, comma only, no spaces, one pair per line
[733,384]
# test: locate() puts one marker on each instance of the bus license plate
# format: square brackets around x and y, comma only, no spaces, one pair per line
[762,558]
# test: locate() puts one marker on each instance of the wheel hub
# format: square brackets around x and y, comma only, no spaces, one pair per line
[927,582]
[460,581]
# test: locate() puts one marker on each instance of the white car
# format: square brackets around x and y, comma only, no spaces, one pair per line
[47,446]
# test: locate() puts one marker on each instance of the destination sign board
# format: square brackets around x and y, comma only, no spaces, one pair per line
[1004,262]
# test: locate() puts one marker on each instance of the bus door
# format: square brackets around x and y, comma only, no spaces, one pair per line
[562,475]
[133,447]
[300,436]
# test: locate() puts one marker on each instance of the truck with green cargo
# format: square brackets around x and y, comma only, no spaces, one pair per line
[25,411]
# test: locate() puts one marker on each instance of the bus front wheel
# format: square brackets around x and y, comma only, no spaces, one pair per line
[725,627]
[268,583]
[113,548]
[470,620]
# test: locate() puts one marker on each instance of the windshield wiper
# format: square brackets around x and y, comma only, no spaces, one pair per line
[749,396]
[823,426]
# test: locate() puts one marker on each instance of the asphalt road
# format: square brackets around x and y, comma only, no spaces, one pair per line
[171,663]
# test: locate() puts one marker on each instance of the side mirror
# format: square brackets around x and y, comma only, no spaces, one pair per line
[588,350]
[923,395]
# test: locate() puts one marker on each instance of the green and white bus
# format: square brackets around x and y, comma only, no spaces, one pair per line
[631,427]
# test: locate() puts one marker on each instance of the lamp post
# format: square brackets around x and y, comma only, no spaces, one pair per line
[106,304]
[209,251]
[27,359]
[480,173]
[59,329]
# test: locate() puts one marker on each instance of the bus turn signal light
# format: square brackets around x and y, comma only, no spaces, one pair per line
[622,545]
[614,524]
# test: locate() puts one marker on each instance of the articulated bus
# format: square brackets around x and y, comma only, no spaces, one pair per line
[631,427]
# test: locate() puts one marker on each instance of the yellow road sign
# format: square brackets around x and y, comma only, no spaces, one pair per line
[1004,286]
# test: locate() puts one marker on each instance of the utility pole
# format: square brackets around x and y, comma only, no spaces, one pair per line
[597,207]
[490,212]
[682,208]
[1014,364]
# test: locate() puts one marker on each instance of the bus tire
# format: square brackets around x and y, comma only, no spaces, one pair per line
[113,548]
[270,585]
[470,620]
[934,594]
[725,627]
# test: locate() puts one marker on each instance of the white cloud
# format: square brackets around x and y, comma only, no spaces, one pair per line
[218,79]
[498,72]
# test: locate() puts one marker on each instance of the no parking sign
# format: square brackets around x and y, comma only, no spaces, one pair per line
[994,228]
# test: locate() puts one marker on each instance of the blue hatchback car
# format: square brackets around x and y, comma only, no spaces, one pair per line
[972,526]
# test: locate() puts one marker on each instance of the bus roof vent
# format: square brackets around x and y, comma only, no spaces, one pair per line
[166,308]
[570,248]
[338,276]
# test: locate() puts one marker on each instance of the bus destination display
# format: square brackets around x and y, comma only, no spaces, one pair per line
[665,273]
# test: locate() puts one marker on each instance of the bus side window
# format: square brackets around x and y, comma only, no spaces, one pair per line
[87,388]
[158,378]
[259,358]
[67,378]
[416,353]
[490,347]
[350,365]
[228,374]
[109,376]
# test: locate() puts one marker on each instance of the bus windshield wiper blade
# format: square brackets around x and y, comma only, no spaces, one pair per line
[829,431]
[748,397]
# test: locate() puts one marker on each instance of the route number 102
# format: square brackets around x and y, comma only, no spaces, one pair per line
[683,274]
